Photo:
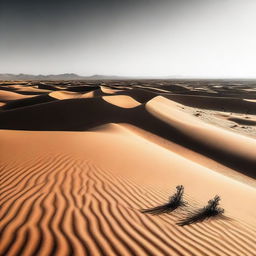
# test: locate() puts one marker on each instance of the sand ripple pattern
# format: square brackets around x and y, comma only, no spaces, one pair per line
[68,207]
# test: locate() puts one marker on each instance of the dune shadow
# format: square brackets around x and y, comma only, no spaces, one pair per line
[225,104]
[28,102]
[242,121]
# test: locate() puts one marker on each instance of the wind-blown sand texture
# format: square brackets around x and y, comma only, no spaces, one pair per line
[78,167]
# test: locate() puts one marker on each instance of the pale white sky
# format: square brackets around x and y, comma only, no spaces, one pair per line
[196,38]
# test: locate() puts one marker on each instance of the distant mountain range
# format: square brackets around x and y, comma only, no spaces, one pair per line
[66,76]
[72,76]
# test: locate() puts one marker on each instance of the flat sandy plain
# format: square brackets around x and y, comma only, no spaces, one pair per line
[80,159]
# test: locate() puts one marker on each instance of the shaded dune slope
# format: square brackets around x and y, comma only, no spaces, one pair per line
[28,102]
[242,121]
[139,95]
[82,88]
[15,100]
[47,87]
[83,114]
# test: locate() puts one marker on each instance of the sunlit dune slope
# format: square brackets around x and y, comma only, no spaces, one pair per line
[6,96]
[63,95]
[218,138]
[81,192]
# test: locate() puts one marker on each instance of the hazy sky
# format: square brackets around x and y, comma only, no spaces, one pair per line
[194,38]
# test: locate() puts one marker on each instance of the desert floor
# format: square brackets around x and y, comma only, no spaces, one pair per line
[80,159]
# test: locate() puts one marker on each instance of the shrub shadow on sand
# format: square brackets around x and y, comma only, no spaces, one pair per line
[211,210]
[175,201]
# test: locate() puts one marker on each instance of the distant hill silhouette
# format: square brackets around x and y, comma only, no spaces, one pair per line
[66,76]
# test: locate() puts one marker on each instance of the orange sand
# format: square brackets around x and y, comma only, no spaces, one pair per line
[79,190]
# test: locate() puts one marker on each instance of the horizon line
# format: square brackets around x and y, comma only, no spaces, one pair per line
[133,76]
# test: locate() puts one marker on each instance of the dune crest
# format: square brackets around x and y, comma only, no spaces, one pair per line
[205,133]
[108,90]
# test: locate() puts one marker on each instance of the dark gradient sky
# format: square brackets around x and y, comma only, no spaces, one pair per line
[199,38]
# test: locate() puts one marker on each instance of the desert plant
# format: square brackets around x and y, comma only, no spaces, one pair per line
[210,210]
[175,201]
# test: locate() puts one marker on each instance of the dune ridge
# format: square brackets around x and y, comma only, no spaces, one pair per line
[235,144]
[67,115]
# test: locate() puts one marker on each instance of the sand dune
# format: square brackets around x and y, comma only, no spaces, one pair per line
[140,95]
[59,197]
[250,100]
[6,96]
[78,164]
[48,87]
[242,121]
[83,114]
[122,101]
[221,140]
[97,93]
[221,104]
[238,118]
[28,101]
[62,95]
[82,88]
[108,90]
[91,94]
[30,90]
[15,87]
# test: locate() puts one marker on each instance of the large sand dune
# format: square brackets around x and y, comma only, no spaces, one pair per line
[221,104]
[6,96]
[77,170]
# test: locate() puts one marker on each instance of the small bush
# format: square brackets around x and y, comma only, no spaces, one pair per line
[175,201]
[210,210]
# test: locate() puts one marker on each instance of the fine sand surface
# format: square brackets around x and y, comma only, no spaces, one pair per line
[77,167]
